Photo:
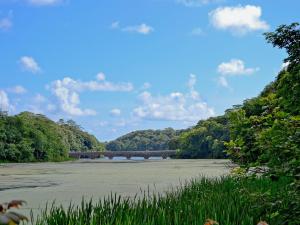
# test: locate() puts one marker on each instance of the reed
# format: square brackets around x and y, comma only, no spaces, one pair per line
[230,201]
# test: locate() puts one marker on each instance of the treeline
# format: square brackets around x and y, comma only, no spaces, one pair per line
[205,140]
[28,137]
[144,140]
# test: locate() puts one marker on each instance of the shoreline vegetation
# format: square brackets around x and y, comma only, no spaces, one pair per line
[228,200]
[262,132]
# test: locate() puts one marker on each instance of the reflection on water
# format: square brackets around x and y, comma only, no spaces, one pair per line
[134,158]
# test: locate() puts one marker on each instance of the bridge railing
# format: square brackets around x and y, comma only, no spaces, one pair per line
[127,154]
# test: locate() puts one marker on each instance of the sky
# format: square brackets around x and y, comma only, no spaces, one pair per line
[117,66]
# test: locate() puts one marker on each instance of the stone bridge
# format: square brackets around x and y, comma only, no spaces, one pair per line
[128,154]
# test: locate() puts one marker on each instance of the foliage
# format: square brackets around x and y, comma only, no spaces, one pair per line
[33,137]
[77,139]
[288,37]
[228,200]
[265,131]
[205,140]
[143,140]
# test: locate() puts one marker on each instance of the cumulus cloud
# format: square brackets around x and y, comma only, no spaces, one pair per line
[44,2]
[141,29]
[17,89]
[67,93]
[235,67]
[29,64]
[4,101]
[239,19]
[69,99]
[175,106]
[194,3]
[115,112]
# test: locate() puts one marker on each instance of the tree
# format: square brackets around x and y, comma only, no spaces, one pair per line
[205,140]
[288,37]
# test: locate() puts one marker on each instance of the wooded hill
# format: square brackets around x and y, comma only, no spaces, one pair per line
[144,140]
[33,137]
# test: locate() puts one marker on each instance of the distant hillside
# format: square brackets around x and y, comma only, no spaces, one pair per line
[33,137]
[144,140]
[205,140]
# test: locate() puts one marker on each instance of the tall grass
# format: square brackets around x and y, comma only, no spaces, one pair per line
[227,200]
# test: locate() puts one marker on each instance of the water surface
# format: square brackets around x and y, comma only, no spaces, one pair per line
[38,183]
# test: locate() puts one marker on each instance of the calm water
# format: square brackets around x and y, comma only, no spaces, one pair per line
[70,181]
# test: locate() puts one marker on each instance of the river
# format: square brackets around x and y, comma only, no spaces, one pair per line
[39,183]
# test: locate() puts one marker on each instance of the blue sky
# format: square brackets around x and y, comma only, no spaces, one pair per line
[118,66]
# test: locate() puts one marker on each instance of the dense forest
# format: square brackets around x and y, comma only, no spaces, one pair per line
[205,140]
[144,140]
[33,137]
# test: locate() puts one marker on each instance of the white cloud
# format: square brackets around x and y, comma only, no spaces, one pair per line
[197,32]
[239,19]
[235,67]
[115,112]
[69,100]
[194,3]
[67,93]
[29,64]
[5,23]
[141,29]
[191,84]
[4,101]
[176,106]
[223,81]
[100,76]
[192,81]
[44,2]
[18,89]
[115,25]
[93,85]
